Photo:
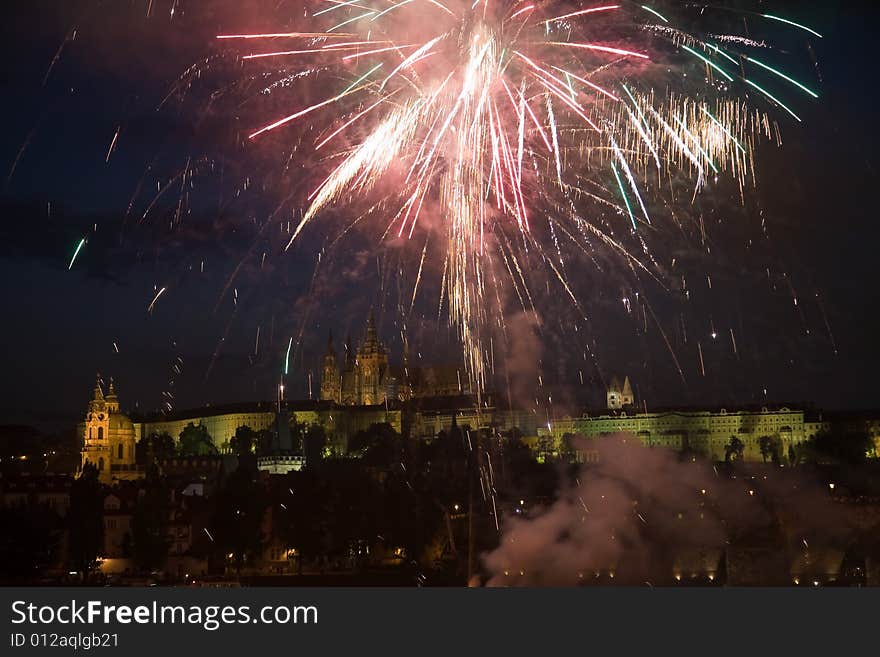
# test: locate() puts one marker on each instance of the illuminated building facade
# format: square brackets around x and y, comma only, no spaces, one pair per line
[619,395]
[109,437]
[705,431]
[367,378]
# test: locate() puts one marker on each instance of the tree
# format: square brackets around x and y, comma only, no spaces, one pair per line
[28,542]
[314,441]
[150,522]
[734,449]
[244,442]
[265,441]
[303,526]
[379,445]
[85,520]
[237,522]
[196,441]
[156,446]
[771,447]
[844,447]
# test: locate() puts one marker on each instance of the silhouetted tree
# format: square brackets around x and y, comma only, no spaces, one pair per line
[155,446]
[379,445]
[85,520]
[237,523]
[303,525]
[771,448]
[314,442]
[734,449]
[28,542]
[843,447]
[196,441]
[150,522]
[244,441]
[265,441]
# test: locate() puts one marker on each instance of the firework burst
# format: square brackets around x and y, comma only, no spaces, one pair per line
[508,127]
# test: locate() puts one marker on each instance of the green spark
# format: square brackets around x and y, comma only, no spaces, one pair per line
[361,79]
[351,20]
[623,194]
[709,62]
[570,88]
[797,25]
[76,253]
[773,98]
[399,4]
[339,6]
[783,76]
[719,51]
[656,13]
[287,357]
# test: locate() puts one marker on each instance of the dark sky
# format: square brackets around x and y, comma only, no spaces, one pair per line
[815,202]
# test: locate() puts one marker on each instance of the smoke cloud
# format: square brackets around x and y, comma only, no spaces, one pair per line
[648,516]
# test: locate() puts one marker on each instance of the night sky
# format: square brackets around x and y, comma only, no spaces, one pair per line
[812,224]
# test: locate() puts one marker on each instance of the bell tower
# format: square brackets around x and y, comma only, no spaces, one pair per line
[96,443]
[109,440]
[330,378]
[372,366]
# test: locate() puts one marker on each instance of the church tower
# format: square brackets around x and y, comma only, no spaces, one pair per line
[372,367]
[108,437]
[330,377]
[619,396]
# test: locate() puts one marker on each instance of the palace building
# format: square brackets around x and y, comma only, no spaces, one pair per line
[366,392]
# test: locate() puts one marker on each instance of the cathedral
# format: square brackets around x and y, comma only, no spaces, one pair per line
[108,437]
[365,378]
[619,396]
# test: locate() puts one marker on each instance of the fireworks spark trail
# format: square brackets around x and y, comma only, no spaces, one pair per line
[418,277]
[287,357]
[112,144]
[68,38]
[21,151]
[76,253]
[155,299]
[790,22]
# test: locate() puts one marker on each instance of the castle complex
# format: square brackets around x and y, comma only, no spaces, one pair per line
[421,402]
